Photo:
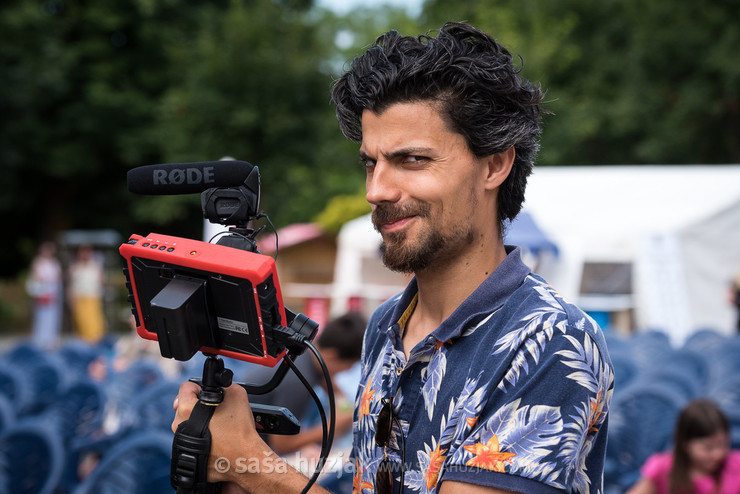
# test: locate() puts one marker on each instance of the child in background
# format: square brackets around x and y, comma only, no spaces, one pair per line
[701,461]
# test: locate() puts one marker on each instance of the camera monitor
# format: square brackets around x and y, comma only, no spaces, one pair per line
[195,296]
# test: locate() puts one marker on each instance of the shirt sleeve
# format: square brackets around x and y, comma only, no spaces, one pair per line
[542,428]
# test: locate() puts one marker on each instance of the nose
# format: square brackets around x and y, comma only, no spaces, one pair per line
[382,184]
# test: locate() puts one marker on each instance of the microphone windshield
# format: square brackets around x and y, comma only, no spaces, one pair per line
[187,178]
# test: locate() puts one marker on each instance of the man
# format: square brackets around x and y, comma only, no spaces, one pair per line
[479,377]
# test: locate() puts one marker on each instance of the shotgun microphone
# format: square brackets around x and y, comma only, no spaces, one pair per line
[187,178]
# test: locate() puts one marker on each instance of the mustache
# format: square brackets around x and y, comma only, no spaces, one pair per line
[386,213]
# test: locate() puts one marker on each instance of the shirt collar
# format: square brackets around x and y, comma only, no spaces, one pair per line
[488,297]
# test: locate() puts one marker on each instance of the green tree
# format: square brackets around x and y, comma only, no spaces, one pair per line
[255,87]
[92,90]
[80,80]
[340,210]
[629,82]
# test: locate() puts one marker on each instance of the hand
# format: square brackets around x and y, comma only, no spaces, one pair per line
[234,438]
[233,434]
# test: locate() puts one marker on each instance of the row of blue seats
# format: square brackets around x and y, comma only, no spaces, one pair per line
[654,380]
[52,413]
[55,417]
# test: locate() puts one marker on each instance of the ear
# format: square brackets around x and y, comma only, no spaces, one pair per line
[498,168]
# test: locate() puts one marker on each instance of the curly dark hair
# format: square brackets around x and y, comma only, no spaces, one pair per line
[473,78]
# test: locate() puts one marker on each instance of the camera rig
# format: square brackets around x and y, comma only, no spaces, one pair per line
[219,299]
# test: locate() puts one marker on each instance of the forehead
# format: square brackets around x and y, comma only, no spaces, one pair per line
[718,438]
[418,124]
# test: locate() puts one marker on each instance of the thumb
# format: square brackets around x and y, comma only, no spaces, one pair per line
[186,399]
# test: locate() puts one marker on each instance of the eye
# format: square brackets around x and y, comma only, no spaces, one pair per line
[415,159]
[367,162]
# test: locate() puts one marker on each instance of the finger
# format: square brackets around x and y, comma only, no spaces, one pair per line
[186,387]
[236,390]
[183,404]
[190,387]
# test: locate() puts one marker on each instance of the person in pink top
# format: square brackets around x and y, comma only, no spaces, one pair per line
[701,461]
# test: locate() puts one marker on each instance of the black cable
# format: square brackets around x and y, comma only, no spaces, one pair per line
[327,436]
[319,405]
[277,248]
[261,215]
[329,391]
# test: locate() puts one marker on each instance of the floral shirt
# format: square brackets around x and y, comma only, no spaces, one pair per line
[511,391]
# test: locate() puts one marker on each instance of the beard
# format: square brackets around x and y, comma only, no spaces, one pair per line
[432,246]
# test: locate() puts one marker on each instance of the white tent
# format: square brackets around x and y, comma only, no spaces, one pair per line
[675,228]
[358,270]
[678,227]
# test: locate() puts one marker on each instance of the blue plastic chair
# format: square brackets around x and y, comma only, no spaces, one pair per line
[78,355]
[642,418]
[615,341]
[704,340]
[16,385]
[649,348]
[680,380]
[724,360]
[733,416]
[78,416]
[125,387]
[153,407]
[727,392]
[150,409]
[140,464]
[49,380]
[33,455]
[80,412]
[7,414]
[625,368]
[138,376]
[24,352]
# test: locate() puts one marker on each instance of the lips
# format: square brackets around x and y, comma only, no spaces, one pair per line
[396,224]
[387,218]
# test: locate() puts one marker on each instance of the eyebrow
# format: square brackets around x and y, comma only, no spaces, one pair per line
[399,153]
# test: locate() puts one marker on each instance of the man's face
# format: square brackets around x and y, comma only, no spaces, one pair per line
[424,185]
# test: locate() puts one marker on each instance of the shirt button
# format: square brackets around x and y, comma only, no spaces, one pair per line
[399,370]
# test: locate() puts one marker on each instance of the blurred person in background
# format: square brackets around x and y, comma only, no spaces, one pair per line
[701,461]
[340,344]
[44,285]
[86,286]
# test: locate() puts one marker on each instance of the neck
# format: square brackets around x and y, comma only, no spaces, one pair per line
[443,287]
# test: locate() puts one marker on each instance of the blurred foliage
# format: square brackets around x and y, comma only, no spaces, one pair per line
[93,89]
[15,306]
[80,80]
[629,82]
[254,90]
[340,210]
